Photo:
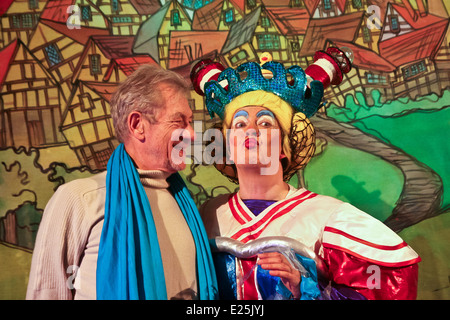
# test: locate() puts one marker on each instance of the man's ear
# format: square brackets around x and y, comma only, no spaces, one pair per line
[135,123]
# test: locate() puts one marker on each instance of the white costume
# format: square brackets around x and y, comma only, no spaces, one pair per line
[334,230]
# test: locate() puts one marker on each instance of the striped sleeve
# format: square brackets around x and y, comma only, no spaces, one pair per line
[359,234]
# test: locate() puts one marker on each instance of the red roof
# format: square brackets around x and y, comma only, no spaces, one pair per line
[239,4]
[339,28]
[311,5]
[365,58]
[186,46]
[57,10]
[290,21]
[105,90]
[4,6]
[6,56]
[128,65]
[422,42]
[114,47]
[208,17]
[79,35]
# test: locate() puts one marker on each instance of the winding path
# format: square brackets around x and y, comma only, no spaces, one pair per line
[422,190]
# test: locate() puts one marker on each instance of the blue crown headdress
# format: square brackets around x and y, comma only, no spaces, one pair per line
[293,92]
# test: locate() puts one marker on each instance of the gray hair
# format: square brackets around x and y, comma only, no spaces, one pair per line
[141,92]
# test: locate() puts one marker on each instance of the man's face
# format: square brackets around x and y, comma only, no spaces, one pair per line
[173,119]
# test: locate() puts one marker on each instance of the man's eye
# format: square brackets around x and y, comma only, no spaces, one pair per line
[239,125]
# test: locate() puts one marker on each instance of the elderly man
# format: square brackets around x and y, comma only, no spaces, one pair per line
[132,232]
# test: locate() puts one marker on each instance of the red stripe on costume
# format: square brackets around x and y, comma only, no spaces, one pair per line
[269,217]
[241,210]
[370,244]
[378,262]
[234,212]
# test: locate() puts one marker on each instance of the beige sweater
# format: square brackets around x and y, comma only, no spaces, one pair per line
[69,236]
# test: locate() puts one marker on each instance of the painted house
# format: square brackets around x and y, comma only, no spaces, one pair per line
[126,16]
[30,111]
[319,35]
[373,71]
[153,37]
[58,47]
[218,15]
[250,37]
[232,11]
[122,67]
[19,20]
[410,40]
[327,8]
[87,123]
[292,23]
[185,48]
[98,54]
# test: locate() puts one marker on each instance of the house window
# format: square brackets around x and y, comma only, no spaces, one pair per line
[23,21]
[327,5]
[394,23]
[374,78]
[115,6]
[357,4]
[95,64]
[86,102]
[53,55]
[187,3]
[251,4]
[175,19]
[122,19]
[295,4]
[27,21]
[414,69]
[236,58]
[265,22]
[268,42]
[366,35]
[198,4]
[86,14]
[229,16]
[295,46]
[33,4]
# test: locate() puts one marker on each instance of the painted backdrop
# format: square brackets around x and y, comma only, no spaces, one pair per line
[382,136]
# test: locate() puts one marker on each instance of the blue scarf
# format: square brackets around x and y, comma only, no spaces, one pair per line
[129,265]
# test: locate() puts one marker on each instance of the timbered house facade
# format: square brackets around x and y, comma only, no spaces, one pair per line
[126,16]
[58,47]
[410,40]
[19,20]
[98,54]
[153,36]
[30,103]
[87,124]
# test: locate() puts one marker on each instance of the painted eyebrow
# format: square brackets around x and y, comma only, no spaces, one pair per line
[265,113]
[241,113]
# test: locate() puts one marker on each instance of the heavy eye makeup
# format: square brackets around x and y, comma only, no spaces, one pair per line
[266,118]
[240,119]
